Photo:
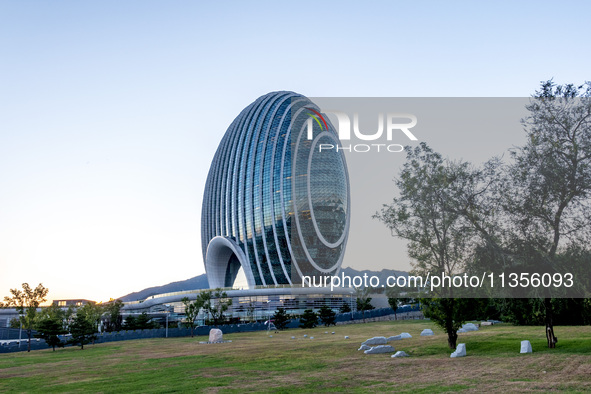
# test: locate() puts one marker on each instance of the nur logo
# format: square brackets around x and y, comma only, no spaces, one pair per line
[400,122]
[315,117]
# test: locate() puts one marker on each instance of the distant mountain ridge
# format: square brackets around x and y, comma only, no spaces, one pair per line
[194,283]
[200,282]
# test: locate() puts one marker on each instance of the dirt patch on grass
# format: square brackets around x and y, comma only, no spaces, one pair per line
[509,373]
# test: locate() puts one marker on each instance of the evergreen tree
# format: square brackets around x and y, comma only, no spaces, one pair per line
[50,325]
[309,319]
[327,316]
[141,322]
[82,330]
[48,329]
[280,319]
[345,308]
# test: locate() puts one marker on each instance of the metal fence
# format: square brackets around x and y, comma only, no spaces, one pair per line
[7,347]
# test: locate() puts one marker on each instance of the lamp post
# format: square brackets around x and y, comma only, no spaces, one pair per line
[167,313]
[20,331]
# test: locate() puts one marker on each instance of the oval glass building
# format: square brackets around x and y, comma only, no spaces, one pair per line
[276,205]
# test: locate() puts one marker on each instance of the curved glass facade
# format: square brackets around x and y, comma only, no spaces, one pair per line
[274,205]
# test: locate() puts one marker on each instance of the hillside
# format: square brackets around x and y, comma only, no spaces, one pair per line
[197,282]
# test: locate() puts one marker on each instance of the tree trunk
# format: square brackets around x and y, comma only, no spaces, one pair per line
[452,339]
[550,324]
[452,334]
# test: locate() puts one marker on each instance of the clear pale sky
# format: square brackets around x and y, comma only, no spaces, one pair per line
[111,111]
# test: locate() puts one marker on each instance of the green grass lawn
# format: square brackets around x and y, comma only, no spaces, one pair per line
[256,362]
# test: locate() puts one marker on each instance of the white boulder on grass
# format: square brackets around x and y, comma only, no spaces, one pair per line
[380,349]
[525,347]
[375,341]
[405,335]
[394,338]
[364,347]
[216,335]
[427,332]
[400,353]
[460,351]
[346,337]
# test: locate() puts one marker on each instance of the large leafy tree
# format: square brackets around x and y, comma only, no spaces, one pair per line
[93,313]
[112,316]
[440,240]
[547,188]
[26,302]
[534,214]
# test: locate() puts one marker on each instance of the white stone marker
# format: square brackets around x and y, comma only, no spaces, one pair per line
[460,351]
[216,335]
[525,347]
[469,327]
[400,353]
[376,341]
[405,335]
[427,332]
[380,349]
